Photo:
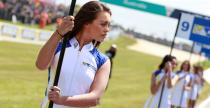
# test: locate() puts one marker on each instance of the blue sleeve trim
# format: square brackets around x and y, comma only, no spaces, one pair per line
[99,57]
[178,72]
[191,76]
[157,72]
[59,47]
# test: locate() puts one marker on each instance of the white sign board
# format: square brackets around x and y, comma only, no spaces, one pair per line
[185,26]
[28,34]
[9,30]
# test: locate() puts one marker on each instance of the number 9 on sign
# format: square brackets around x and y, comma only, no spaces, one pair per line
[185,26]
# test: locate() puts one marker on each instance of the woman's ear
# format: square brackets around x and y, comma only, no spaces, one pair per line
[86,24]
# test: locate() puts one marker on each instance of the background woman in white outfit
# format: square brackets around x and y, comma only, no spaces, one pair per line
[85,71]
[181,87]
[160,77]
[196,82]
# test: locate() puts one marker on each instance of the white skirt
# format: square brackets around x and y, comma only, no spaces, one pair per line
[194,93]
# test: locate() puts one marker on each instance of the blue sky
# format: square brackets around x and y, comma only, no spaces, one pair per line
[151,24]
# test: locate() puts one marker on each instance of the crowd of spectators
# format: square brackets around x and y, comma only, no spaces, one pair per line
[40,12]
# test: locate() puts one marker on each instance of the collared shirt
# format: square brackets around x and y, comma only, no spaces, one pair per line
[165,98]
[179,94]
[78,69]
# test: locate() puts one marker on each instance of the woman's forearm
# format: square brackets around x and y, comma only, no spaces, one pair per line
[46,54]
[169,84]
[187,88]
[84,100]
[156,86]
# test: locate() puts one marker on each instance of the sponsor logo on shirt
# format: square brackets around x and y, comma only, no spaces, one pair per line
[89,65]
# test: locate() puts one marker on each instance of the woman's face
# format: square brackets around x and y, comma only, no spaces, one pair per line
[195,70]
[98,29]
[174,64]
[185,67]
[168,66]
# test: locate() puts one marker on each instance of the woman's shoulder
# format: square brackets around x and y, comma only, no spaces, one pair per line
[96,52]
[59,46]
[157,72]
[99,57]
[179,72]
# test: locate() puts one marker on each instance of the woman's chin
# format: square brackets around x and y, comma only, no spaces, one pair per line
[101,40]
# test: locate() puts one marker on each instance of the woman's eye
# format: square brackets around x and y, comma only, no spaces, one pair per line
[103,24]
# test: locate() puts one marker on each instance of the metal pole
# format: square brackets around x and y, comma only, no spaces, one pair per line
[191,51]
[172,45]
[173,41]
[65,39]
[161,94]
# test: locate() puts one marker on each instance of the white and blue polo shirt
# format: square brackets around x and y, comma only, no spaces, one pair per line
[165,99]
[179,94]
[78,69]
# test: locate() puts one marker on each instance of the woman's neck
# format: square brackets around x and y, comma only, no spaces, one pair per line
[83,39]
[185,70]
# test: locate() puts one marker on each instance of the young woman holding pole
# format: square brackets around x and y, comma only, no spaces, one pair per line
[85,70]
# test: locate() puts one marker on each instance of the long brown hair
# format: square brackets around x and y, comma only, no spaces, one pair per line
[197,69]
[188,65]
[87,14]
[167,58]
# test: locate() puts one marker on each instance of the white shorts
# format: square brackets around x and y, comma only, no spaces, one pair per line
[194,94]
[177,101]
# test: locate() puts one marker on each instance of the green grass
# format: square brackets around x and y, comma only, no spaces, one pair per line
[22,85]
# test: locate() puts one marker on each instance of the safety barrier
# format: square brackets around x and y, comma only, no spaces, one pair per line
[23,34]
